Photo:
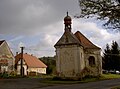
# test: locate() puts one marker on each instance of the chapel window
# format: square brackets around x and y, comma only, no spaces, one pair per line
[91,61]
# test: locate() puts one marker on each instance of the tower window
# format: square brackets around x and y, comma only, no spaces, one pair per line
[91,61]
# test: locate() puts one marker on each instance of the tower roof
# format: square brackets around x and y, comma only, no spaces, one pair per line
[67,22]
[67,18]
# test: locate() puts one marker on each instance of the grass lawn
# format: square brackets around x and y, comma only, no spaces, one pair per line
[118,87]
[48,80]
[110,76]
[59,81]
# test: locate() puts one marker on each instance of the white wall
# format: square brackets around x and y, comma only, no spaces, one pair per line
[29,69]
[5,50]
[19,67]
[69,61]
[97,69]
[37,70]
[4,68]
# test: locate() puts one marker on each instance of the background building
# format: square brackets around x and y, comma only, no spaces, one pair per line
[6,58]
[31,64]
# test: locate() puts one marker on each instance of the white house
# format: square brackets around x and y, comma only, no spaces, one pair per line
[30,64]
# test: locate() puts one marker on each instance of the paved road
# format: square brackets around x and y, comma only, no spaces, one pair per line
[27,83]
[106,84]
[21,83]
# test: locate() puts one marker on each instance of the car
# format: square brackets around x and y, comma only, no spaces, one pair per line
[117,72]
[105,71]
[112,71]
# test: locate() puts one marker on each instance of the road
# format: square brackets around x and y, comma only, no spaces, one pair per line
[34,83]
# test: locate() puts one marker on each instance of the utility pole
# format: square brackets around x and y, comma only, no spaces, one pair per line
[21,70]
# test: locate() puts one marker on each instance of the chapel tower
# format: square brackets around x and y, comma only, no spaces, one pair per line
[75,54]
[67,22]
[68,50]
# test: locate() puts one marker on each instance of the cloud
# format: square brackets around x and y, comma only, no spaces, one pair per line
[45,45]
[38,24]
[97,35]
[52,33]
[23,17]
[17,38]
[26,17]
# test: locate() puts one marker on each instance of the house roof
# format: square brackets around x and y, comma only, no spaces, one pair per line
[31,61]
[5,51]
[84,41]
[1,41]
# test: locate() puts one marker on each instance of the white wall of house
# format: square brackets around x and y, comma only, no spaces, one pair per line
[27,70]
[4,68]
[37,70]
[19,67]
[5,50]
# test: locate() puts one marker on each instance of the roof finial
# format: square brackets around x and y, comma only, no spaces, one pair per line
[67,13]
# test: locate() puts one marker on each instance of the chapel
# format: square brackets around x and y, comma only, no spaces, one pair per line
[76,55]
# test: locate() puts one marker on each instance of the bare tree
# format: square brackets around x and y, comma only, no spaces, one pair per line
[104,10]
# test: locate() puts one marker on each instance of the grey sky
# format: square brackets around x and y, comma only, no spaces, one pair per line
[22,16]
[38,24]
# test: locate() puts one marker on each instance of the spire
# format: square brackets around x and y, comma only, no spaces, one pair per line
[67,13]
[67,22]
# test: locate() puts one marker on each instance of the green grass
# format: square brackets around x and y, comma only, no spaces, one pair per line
[66,81]
[60,81]
[118,87]
[110,76]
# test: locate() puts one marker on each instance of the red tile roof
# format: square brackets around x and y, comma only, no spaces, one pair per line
[31,61]
[84,41]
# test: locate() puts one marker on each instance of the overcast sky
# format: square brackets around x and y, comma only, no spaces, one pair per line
[38,25]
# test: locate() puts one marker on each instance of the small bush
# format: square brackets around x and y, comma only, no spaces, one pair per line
[4,75]
[64,78]
[56,78]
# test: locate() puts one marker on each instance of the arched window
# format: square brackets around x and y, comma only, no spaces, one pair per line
[91,61]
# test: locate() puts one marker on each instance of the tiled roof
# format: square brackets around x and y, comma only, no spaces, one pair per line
[31,61]
[84,41]
[1,41]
